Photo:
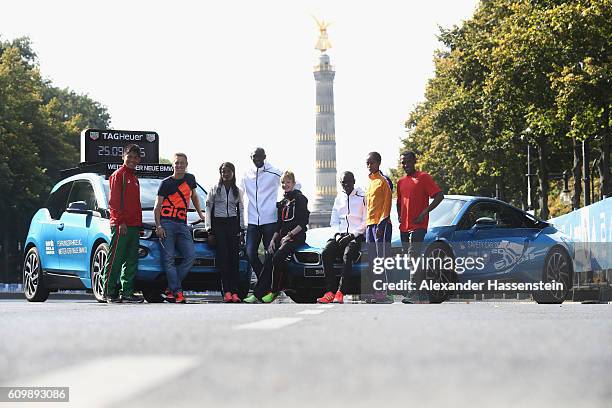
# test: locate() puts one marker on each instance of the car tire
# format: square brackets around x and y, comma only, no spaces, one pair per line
[98,262]
[558,267]
[34,288]
[305,296]
[153,295]
[439,275]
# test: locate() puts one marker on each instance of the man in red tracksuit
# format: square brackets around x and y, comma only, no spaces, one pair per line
[126,221]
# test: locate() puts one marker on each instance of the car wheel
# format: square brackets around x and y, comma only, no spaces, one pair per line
[557,267]
[435,272]
[34,287]
[98,262]
[305,296]
[153,295]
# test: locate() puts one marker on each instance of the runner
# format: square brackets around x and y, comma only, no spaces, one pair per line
[413,193]
[349,219]
[125,221]
[290,233]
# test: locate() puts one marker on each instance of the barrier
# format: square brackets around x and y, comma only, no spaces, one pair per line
[590,228]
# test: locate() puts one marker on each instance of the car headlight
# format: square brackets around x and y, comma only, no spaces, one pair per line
[146,233]
[200,235]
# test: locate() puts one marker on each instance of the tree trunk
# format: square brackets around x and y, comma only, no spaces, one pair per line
[577,174]
[543,176]
[605,185]
[4,276]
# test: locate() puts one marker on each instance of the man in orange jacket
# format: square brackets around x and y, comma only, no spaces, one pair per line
[378,222]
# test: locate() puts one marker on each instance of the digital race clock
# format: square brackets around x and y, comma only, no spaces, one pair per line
[105,145]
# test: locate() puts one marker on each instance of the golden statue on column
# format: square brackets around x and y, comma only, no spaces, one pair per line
[323,43]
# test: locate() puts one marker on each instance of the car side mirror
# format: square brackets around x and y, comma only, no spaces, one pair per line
[485,223]
[78,207]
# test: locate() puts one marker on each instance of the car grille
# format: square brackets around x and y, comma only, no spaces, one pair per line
[310,258]
[208,262]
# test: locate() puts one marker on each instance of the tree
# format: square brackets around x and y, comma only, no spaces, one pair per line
[39,135]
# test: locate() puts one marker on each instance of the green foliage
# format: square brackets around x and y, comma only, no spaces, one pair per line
[39,135]
[517,72]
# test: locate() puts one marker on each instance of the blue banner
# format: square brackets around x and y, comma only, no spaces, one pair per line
[591,229]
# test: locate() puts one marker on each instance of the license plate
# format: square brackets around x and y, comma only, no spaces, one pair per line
[313,273]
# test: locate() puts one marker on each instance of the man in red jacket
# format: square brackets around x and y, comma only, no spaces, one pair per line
[126,221]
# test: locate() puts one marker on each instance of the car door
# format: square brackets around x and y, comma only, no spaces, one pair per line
[56,205]
[500,244]
[72,239]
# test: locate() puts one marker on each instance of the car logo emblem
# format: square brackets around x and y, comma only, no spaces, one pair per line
[150,137]
[94,135]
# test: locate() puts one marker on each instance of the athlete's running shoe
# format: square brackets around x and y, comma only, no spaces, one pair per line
[227,297]
[326,298]
[180,298]
[269,298]
[339,297]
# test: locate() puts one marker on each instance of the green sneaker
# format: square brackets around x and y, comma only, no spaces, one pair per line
[251,299]
[269,298]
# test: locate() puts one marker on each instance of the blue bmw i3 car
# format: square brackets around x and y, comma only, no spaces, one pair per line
[68,241]
[513,247]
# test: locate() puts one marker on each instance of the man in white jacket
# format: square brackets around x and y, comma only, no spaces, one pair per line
[348,218]
[260,185]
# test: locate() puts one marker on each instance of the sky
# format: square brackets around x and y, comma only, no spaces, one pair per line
[216,79]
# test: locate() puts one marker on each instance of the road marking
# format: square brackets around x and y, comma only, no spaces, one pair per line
[270,324]
[326,306]
[311,312]
[106,382]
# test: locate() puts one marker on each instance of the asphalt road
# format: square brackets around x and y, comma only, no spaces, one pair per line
[491,354]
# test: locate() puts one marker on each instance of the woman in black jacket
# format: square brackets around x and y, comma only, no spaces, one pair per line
[290,234]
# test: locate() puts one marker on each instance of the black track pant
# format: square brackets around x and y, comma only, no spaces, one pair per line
[332,251]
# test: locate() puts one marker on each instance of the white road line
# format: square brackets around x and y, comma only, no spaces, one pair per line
[269,324]
[107,382]
[311,312]
[326,306]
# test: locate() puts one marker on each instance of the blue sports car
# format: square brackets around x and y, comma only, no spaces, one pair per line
[510,250]
[68,240]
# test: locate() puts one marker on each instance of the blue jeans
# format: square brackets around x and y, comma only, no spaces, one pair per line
[178,237]
[254,235]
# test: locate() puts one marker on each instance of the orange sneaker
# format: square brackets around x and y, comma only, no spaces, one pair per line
[227,297]
[326,298]
[339,298]
[180,298]
[235,298]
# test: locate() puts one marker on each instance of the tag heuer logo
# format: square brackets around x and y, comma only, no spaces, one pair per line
[150,137]
[94,135]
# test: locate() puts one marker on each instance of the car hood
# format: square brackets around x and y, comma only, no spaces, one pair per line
[317,238]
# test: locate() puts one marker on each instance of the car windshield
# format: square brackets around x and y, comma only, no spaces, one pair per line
[444,214]
[148,193]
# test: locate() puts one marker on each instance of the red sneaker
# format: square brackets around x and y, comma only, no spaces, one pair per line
[326,298]
[227,297]
[339,298]
[235,298]
[169,296]
[180,298]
